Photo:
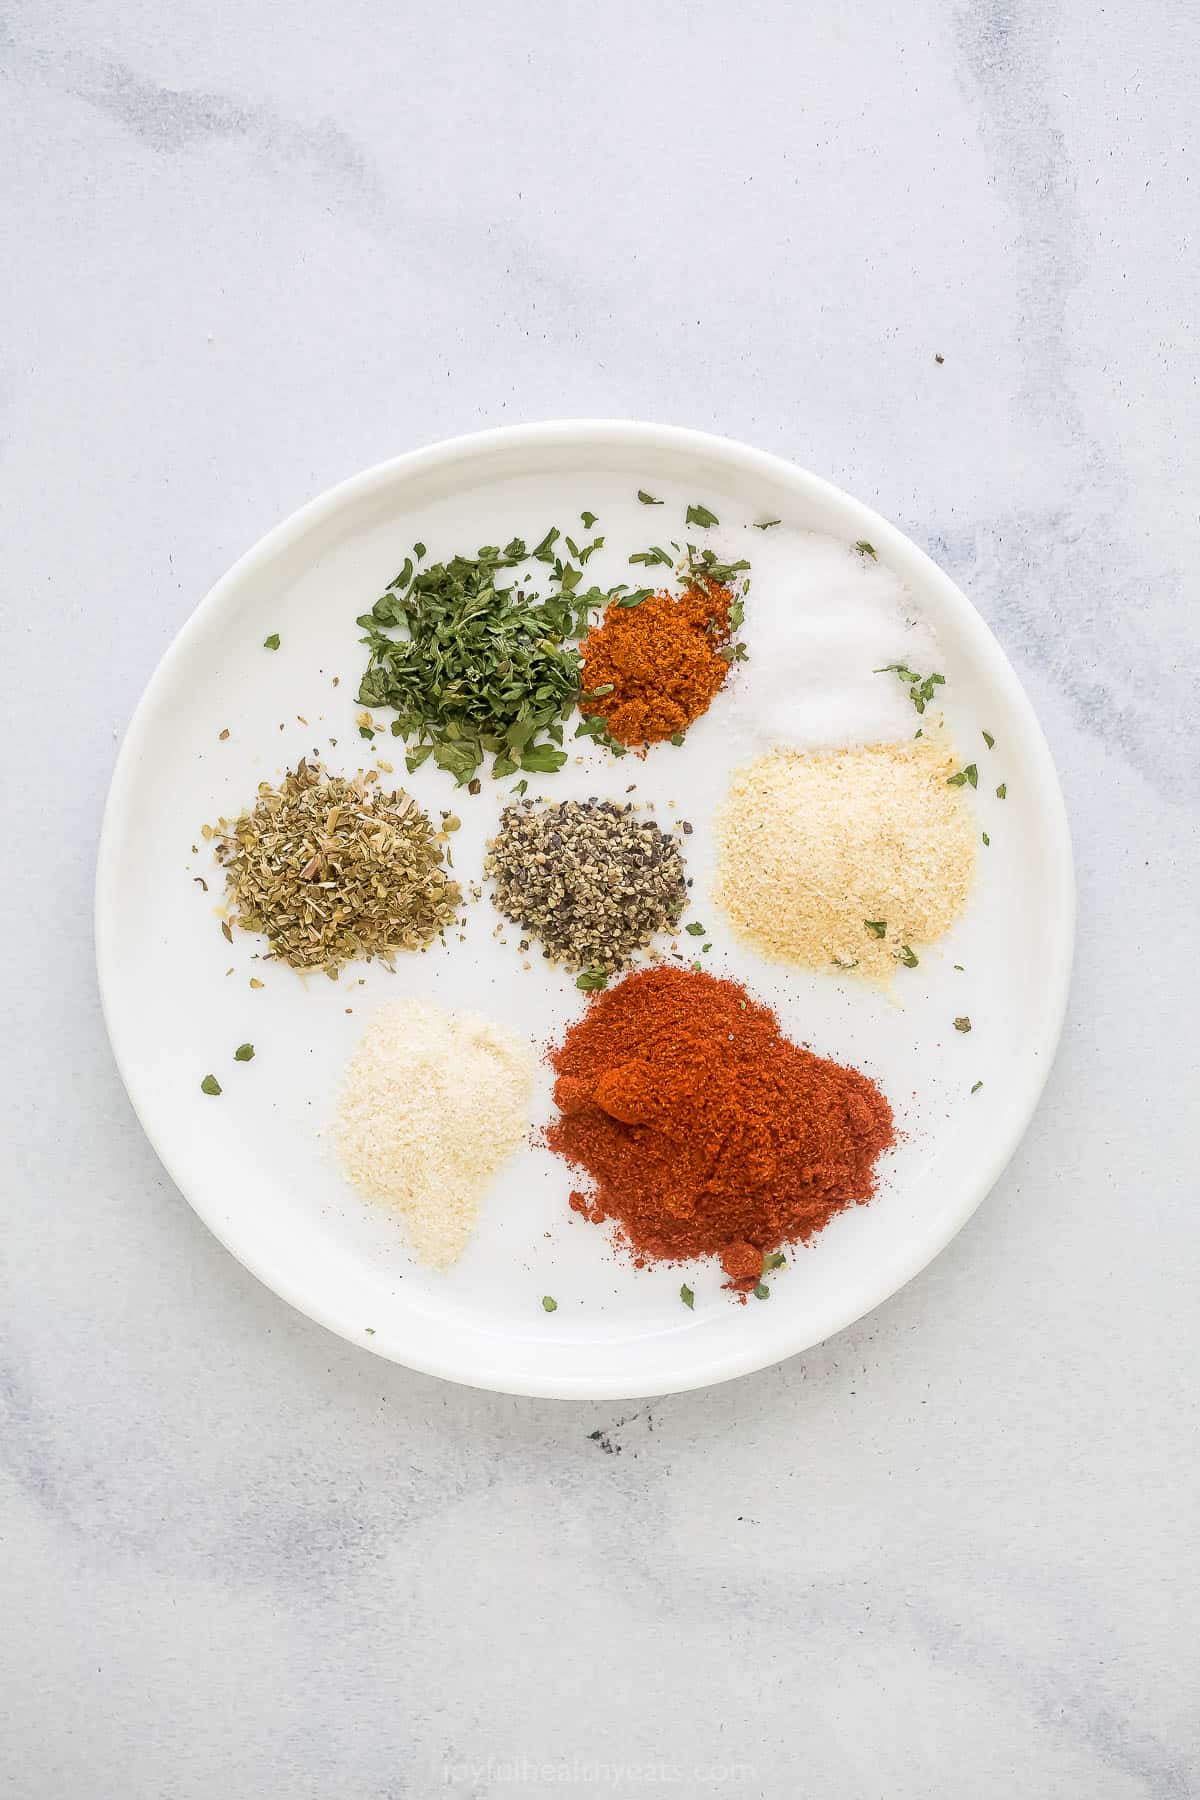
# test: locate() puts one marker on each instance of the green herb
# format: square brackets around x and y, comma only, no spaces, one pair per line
[970,773]
[548,1304]
[919,732]
[986,838]
[700,515]
[591,979]
[648,499]
[475,667]
[762,1291]
[704,565]
[272,642]
[963,1024]
[774,1259]
[1002,791]
[960,968]
[335,871]
[370,1330]
[676,738]
[878,927]
[977,1087]
[365,731]
[589,519]
[521,787]
[695,930]
[909,957]
[766,524]
[244,1053]
[653,556]
[989,740]
[921,686]
[419,551]
[865,549]
[210,1085]
[636,597]
[540,759]
[687,1296]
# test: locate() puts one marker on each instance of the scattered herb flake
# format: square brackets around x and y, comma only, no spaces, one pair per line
[989,740]
[210,1085]
[676,738]
[766,524]
[695,930]
[244,1053]
[647,499]
[591,979]
[909,957]
[920,687]
[589,519]
[1002,791]
[774,1259]
[272,642]
[688,1297]
[987,840]
[877,927]
[700,515]
[762,1291]
[549,1304]
[977,1087]
[963,1024]
[865,549]
[653,556]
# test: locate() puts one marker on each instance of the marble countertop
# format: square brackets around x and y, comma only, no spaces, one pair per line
[251,249]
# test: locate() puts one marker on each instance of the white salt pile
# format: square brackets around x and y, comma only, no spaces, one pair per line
[821,618]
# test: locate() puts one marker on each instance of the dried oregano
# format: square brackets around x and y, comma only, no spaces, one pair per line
[334,871]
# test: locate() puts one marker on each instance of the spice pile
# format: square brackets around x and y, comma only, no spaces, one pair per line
[850,859]
[657,660]
[480,668]
[333,870]
[832,618]
[432,1104]
[704,1130]
[590,878]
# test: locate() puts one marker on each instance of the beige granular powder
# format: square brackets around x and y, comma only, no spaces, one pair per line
[812,847]
[432,1104]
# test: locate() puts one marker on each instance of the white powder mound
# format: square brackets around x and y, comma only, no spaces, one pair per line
[432,1104]
[821,617]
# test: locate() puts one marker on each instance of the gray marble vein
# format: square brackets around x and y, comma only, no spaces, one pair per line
[252,249]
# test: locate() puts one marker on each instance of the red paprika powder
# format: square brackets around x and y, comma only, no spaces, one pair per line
[650,670]
[704,1130]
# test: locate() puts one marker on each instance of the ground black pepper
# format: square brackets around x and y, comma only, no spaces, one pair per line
[589,878]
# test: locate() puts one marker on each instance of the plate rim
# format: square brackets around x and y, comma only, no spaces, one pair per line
[564,434]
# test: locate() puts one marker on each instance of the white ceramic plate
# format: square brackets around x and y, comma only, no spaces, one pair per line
[252,1163]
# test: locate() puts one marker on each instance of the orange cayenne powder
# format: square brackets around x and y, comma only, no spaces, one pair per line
[657,665]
